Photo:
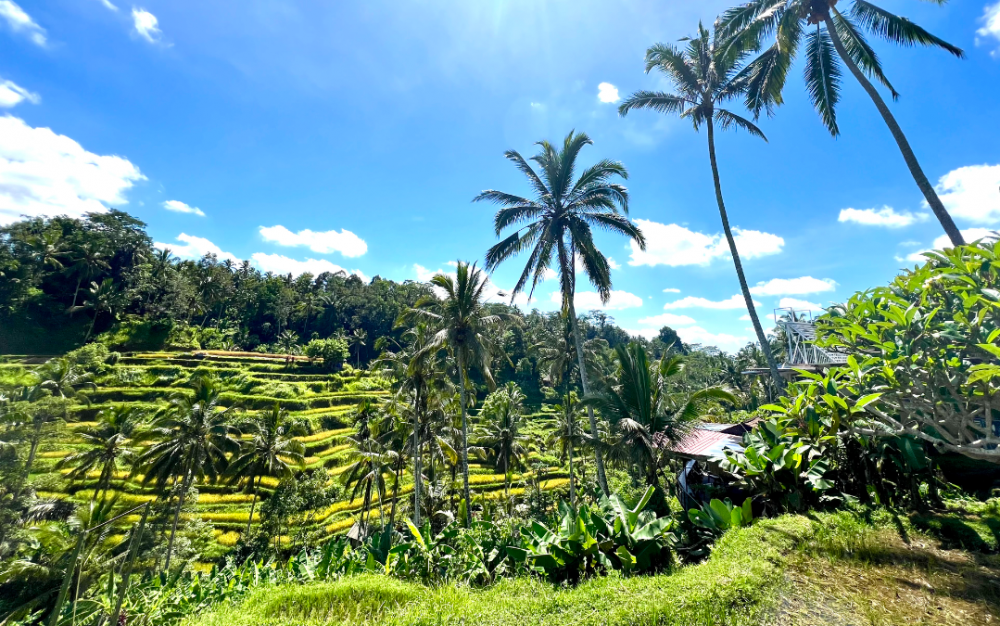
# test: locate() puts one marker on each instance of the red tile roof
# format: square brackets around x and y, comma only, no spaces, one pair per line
[704,444]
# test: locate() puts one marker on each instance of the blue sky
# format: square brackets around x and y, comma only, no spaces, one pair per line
[311,135]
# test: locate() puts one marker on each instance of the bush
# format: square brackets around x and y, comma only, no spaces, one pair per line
[93,357]
[333,352]
[134,334]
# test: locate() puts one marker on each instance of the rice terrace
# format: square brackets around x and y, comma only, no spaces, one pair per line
[505,312]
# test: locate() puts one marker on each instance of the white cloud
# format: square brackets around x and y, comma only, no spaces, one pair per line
[971,192]
[19,21]
[42,173]
[192,247]
[146,25]
[674,245]
[179,207]
[793,286]
[671,290]
[694,302]
[107,4]
[589,300]
[607,93]
[942,242]
[324,242]
[615,265]
[646,333]
[723,341]
[493,293]
[991,25]
[886,216]
[765,320]
[284,265]
[667,319]
[799,305]
[12,94]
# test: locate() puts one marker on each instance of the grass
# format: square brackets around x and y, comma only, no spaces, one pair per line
[736,586]
[867,567]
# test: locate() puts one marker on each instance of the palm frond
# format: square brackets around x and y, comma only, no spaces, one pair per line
[658,101]
[727,119]
[897,29]
[860,52]
[822,75]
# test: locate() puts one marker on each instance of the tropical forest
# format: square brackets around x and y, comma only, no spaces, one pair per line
[193,440]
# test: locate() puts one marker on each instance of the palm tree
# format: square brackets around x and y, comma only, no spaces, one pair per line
[311,303]
[100,298]
[48,248]
[419,371]
[26,410]
[357,339]
[109,447]
[367,474]
[500,438]
[836,36]
[464,325]
[288,341]
[567,434]
[706,75]
[556,226]
[192,438]
[645,416]
[272,451]
[64,379]
[87,260]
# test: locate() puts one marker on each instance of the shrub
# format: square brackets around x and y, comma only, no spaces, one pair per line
[333,352]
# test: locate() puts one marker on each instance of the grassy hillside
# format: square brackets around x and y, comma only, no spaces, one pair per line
[324,401]
[822,569]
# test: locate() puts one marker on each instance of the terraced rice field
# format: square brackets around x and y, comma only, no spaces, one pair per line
[325,401]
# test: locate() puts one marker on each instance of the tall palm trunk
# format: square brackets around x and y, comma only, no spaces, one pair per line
[465,440]
[897,133]
[36,438]
[93,323]
[76,293]
[253,502]
[572,486]
[764,345]
[185,485]
[395,494]
[416,459]
[601,479]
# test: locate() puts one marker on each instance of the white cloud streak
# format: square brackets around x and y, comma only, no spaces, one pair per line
[146,25]
[694,302]
[43,173]
[192,247]
[990,26]
[283,265]
[723,341]
[799,305]
[671,290]
[886,217]
[107,4]
[12,94]
[179,207]
[667,319]
[345,242]
[21,22]
[675,245]
[793,286]
[942,242]
[971,192]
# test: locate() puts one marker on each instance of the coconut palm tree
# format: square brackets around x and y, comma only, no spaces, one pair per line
[500,438]
[418,371]
[567,435]
[366,475]
[357,339]
[272,451]
[835,38]
[557,227]
[288,342]
[87,260]
[706,75]
[464,326]
[192,438]
[109,447]
[100,298]
[645,416]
